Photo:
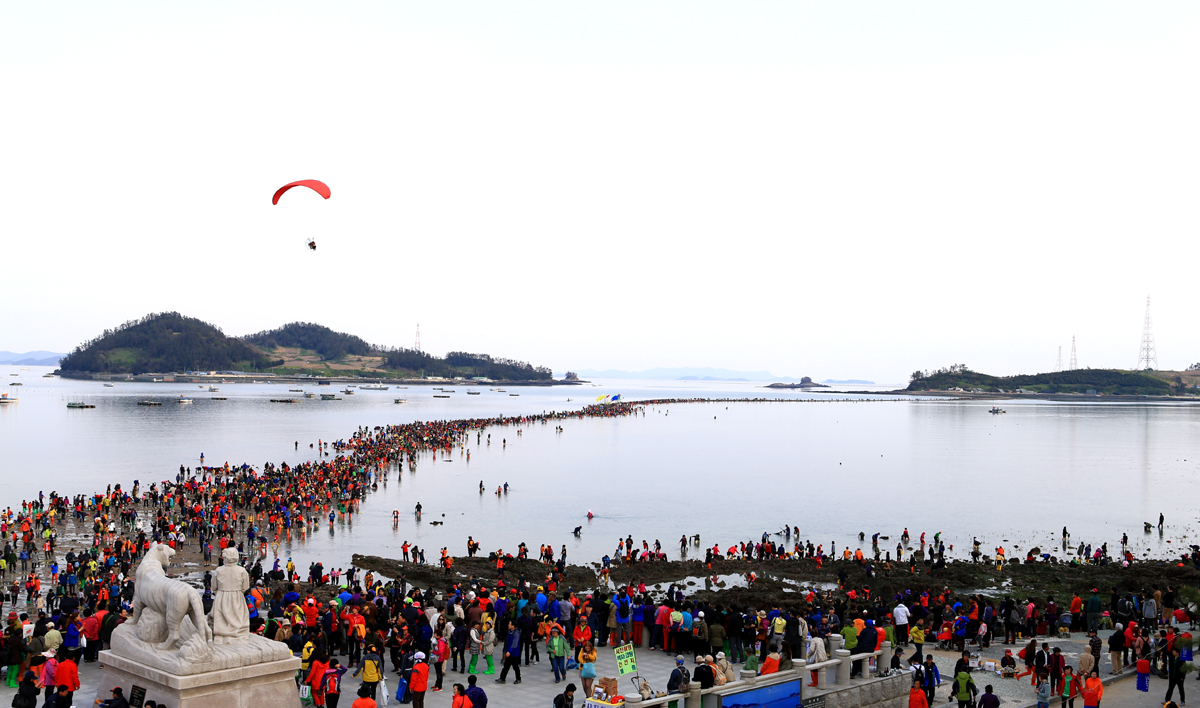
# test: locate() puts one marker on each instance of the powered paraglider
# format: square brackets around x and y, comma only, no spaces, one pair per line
[315,185]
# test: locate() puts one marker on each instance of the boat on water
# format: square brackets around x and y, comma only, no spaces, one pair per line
[155,380]
[322,383]
[996,410]
[373,387]
[347,392]
[472,393]
[14,374]
[213,389]
[4,398]
[295,390]
[283,400]
[439,396]
[500,390]
[47,376]
[149,403]
[329,397]
[16,383]
[401,400]
[309,395]
[79,404]
[109,385]
[514,394]
[183,399]
[217,398]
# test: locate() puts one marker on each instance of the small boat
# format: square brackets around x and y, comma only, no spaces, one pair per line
[155,380]
[16,383]
[514,394]
[295,390]
[472,393]
[347,392]
[213,389]
[183,399]
[217,398]
[201,386]
[309,395]
[401,400]
[149,403]
[329,397]
[438,396]
[373,387]
[109,385]
[79,404]
[14,374]
[322,383]
[500,390]
[996,410]
[47,376]
[447,390]
[283,400]
[4,398]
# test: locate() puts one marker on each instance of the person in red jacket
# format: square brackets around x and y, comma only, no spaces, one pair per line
[67,675]
[316,679]
[418,682]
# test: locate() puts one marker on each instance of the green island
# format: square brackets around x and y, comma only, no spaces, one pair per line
[1107,382]
[170,342]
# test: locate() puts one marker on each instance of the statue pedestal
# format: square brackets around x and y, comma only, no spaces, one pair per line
[268,684]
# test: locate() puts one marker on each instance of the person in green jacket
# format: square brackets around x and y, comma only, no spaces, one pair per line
[556,648]
[850,634]
[964,689]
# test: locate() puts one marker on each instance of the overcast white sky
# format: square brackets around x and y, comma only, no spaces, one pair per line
[835,189]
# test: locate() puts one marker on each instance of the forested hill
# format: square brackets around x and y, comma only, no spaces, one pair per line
[1107,381]
[318,338]
[165,341]
[169,342]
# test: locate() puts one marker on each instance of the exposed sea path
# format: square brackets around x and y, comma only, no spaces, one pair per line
[728,472]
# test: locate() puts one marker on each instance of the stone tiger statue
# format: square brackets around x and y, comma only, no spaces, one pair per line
[165,598]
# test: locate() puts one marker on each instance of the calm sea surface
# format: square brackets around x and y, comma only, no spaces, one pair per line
[727,472]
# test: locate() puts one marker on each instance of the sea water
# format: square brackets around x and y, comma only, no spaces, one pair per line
[832,464]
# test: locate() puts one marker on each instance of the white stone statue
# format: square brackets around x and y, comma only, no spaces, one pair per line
[168,601]
[230,616]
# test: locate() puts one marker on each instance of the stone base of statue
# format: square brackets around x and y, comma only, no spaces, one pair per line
[266,684]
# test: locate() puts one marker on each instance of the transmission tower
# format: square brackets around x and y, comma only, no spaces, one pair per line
[417,345]
[1058,364]
[1148,355]
[1074,361]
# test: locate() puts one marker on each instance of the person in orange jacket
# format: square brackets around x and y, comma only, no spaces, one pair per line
[364,699]
[1093,690]
[67,675]
[916,696]
[418,681]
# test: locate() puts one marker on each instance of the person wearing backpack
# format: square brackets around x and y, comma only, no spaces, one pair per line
[964,689]
[331,684]
[566,699]
[623,610]
[680,681]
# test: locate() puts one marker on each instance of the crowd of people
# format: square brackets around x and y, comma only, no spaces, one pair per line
[65,606]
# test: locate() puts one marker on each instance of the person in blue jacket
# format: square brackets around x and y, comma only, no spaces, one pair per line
[931,679]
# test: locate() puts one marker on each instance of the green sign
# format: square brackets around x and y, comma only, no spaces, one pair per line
[626,663]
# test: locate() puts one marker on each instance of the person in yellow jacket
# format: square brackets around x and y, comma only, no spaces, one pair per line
[916,635]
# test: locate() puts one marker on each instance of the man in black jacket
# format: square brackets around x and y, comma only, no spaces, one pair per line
[1175,676]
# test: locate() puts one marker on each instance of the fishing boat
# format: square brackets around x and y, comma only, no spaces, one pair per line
[108,385]
[149,403]
[439,396]
[4,398]
[996,410]
[283,400]
[295,390]
[183,399]
[373,387]
[16,383]
[213,389]
[514,394]
[472,393]
[329,397]
[309,395]
[347,392]
[401,400]
[79,404]
[217,398]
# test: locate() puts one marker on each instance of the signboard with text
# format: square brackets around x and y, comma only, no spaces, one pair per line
[626,662]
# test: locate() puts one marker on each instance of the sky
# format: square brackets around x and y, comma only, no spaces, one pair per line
[838,190]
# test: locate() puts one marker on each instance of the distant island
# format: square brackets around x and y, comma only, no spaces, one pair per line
[959,378]
[849,381]
[38,358]
[170,342]
[684,373]
[805,382]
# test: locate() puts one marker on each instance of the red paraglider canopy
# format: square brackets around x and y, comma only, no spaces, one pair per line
[315,185]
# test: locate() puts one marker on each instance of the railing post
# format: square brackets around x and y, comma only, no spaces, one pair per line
[885,657]
[843,669]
